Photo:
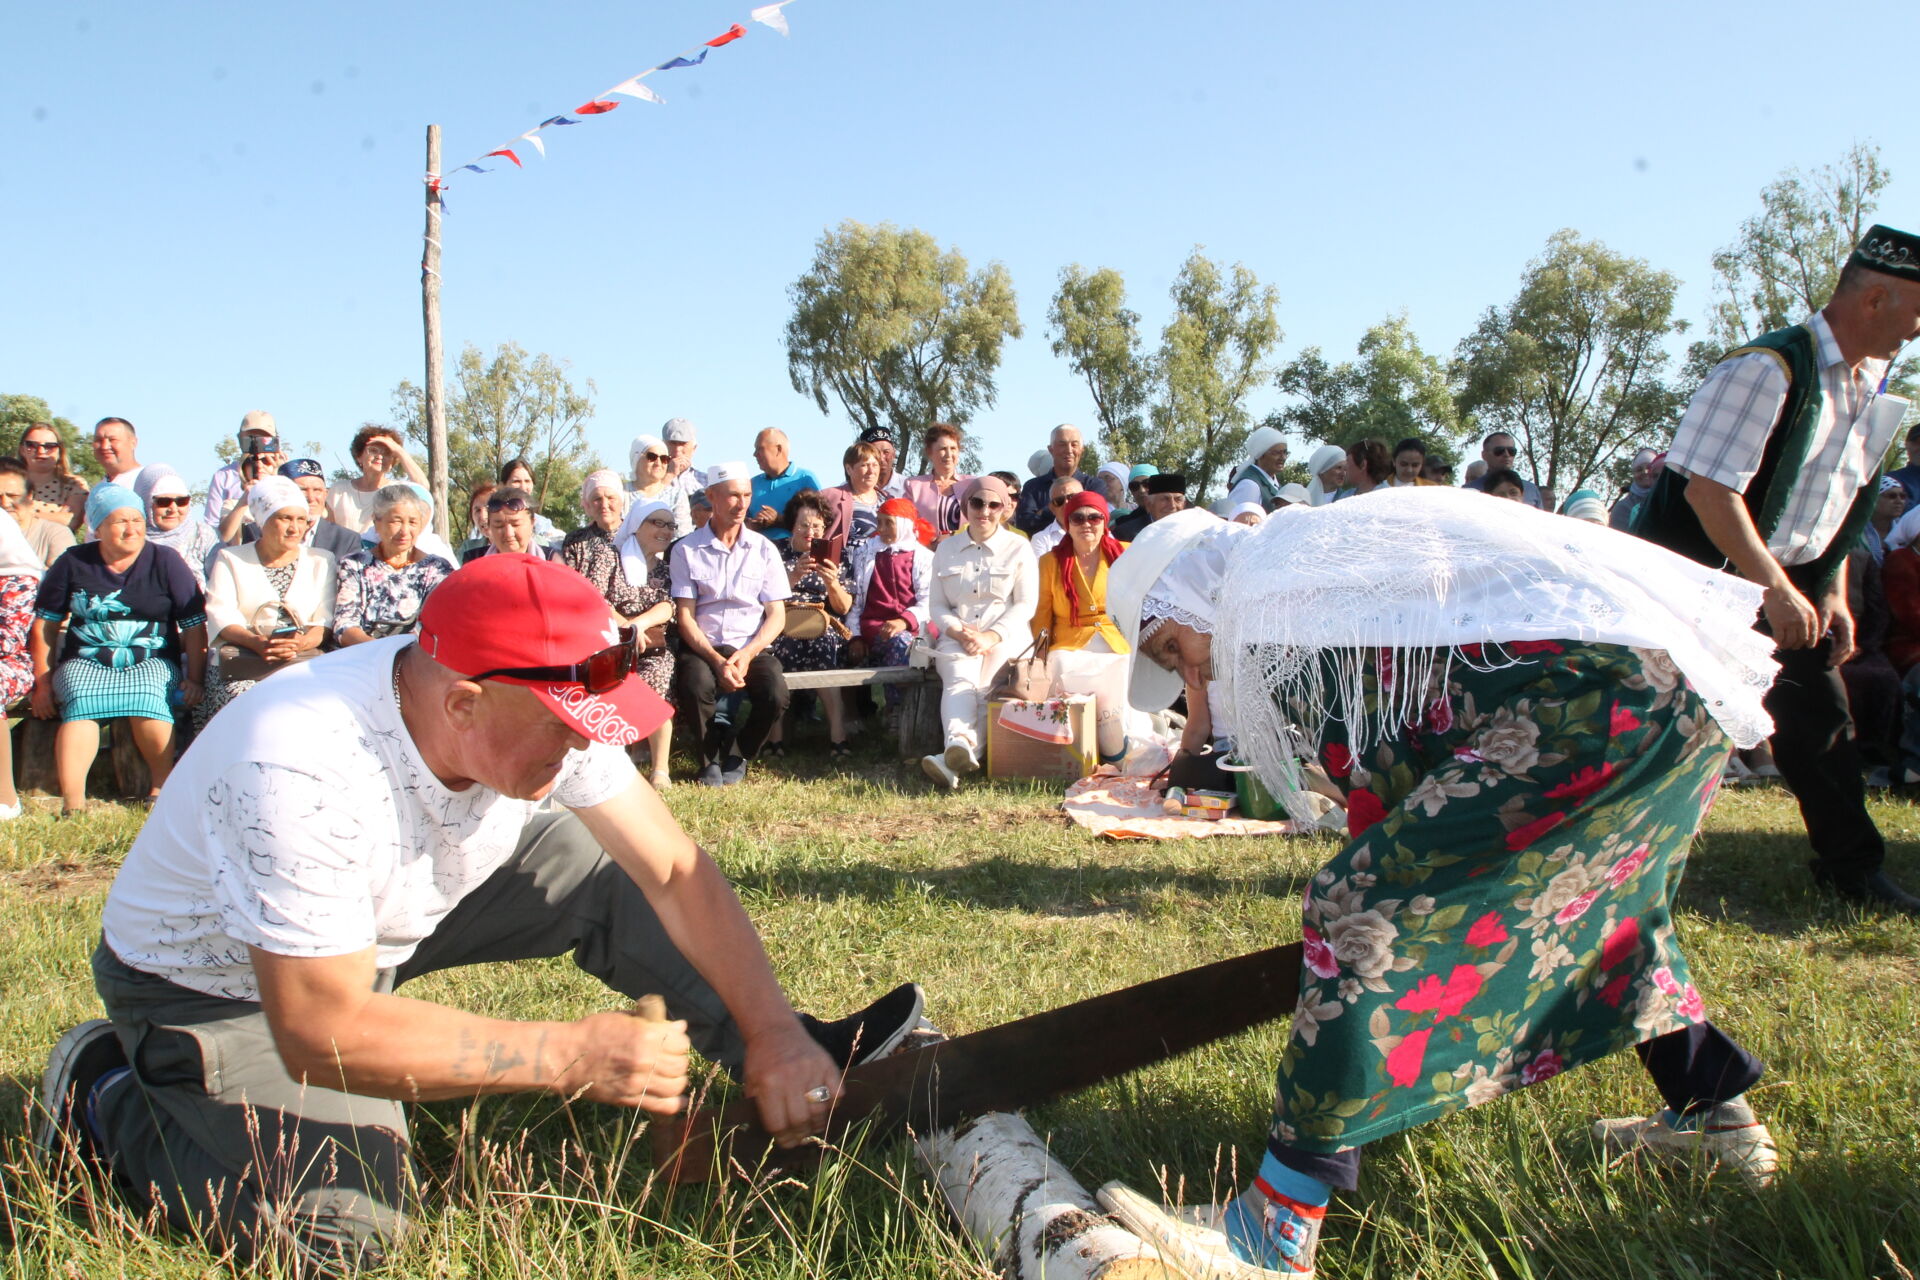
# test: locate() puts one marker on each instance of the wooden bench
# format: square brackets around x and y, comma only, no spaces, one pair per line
[920,730]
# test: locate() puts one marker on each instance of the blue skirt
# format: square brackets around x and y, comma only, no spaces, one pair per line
[87,690]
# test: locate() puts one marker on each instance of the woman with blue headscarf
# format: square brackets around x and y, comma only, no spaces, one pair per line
[136,631]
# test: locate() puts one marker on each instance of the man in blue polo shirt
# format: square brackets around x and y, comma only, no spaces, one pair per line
[776,484]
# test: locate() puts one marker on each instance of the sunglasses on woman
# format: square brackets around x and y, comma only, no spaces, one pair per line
[654,457]
[171,502]
[506,504]
[39,446]
[1086,517]
[981,504]
[602,672]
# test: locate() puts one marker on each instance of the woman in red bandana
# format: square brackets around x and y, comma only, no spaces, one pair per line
[1086,652]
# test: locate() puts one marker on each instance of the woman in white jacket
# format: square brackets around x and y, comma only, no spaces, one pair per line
[985,585]
[269,602]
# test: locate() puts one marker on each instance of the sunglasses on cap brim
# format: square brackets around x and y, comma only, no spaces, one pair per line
[602,672]
[506,504]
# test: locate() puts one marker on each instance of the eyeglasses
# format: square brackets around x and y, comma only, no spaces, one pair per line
[171,502]
[506,504]
[981,504]
[39,446]
[1498,452]
[603,672]
[1086,517]
[654,457]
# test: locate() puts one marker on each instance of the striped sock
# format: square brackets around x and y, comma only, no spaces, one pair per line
[1276,1223]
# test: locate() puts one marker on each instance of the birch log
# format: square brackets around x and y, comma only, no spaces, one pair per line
[1011,1196]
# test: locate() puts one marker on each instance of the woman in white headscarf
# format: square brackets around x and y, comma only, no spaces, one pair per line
[1258,481]
[645,601]
[20,573]
[1326,473]
[168,502]
[270,601]
[1528,716]
[654,481]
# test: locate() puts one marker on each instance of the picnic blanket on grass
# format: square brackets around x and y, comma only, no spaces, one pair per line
[1126,808]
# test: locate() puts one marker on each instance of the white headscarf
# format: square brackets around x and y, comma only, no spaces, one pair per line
[641,446]
[633,559]
[1323,457]
[1261,440]
[604,478]
[1426,573]
[269,497]
[17,558]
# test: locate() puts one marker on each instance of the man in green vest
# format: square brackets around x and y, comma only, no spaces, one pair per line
[1772,475]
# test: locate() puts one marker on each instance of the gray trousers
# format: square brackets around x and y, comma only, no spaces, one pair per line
[211,1129]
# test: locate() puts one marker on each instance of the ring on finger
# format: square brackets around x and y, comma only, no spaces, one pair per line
[819,1094]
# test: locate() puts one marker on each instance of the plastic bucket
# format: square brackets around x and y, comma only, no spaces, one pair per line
[1256,801]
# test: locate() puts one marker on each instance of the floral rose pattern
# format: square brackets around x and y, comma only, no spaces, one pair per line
[1503,912]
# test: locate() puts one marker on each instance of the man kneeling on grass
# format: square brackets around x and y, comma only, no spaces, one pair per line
[370,818]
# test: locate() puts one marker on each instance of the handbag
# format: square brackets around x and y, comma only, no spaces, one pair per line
[237,663]
[809,621]
[1025,678]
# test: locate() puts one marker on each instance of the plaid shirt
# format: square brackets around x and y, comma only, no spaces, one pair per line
[1728,421]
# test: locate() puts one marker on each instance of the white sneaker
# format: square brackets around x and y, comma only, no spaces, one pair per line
[8,812]
[1190,1243]
[960,758]
[1730,1137]
[935,767]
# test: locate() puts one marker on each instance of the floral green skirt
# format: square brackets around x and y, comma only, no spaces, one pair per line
[1503,912]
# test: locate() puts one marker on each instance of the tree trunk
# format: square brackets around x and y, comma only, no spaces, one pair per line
[1012,1198]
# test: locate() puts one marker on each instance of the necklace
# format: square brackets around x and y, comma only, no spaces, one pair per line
[396,683]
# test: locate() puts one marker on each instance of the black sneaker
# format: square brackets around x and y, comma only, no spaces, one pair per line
[84,1055]
[873,1032]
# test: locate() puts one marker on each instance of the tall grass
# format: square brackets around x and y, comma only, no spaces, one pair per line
[864,878]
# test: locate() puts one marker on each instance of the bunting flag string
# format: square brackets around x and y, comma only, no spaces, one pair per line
[767,15]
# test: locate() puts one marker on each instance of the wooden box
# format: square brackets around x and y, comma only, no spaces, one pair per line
[1019,738]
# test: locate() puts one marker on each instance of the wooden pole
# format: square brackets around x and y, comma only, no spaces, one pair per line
[430,313]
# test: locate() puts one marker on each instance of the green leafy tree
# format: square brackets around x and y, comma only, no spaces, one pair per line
[1573,366]
[17,413]
[510,406]
[1212,355]
[1098,335]
[898,331]
[1395,389]
[1787,258]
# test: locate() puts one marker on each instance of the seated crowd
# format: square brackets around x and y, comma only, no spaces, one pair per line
[119,602]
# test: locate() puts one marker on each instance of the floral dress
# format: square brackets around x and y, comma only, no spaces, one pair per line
[823,652]
[1504,911]
[17,593]
[380,599]
[589,552]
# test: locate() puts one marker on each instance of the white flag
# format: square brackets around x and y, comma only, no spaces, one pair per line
[770,15]
[533,136]
[634,89]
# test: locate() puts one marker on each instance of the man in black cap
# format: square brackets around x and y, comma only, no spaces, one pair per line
[1166,493]
[1772,475]
[881,438]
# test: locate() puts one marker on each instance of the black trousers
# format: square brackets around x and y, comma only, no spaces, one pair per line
[700,690]
[1695,1067]
[1813,743]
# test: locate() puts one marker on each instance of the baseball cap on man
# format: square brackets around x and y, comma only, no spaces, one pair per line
[523,620]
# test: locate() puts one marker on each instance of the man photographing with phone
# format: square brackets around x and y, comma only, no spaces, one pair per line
[373,818]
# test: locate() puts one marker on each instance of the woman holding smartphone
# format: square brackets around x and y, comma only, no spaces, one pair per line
[816,631]
[269,602]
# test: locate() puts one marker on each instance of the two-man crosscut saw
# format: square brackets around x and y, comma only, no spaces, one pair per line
[1018,1064]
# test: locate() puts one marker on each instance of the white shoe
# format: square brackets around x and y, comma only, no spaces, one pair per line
[1730,1137]
[935,767]
[1189,1242]
[960,758]
[8,812]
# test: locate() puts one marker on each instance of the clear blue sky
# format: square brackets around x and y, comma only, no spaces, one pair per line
[213,207]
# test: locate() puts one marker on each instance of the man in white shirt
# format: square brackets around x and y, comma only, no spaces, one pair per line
[114,444]
[1047,539]
[371,817]
[1772,474]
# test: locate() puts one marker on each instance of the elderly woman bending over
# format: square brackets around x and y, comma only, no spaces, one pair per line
[137,635]
[1085,651]
[985,583]
[380,588]
[270,602]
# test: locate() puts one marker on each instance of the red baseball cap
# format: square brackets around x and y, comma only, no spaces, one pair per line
[513,612]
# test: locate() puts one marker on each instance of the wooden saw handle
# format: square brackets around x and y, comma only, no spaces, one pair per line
[671,1138]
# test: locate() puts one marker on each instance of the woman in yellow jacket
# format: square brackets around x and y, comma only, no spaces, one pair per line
[1086,652]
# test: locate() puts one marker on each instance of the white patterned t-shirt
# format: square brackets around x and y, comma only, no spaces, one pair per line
[304,822]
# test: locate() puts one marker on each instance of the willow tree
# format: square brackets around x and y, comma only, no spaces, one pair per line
[897,331]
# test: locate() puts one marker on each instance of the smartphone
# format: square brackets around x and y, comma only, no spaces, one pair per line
[287,632]
[822,549]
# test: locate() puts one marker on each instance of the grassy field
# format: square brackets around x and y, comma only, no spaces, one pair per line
[864,878]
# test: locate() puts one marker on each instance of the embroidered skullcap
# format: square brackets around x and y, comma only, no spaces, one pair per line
[1883,249]
[295,468]
[1888,484]
[877,435]
[729,473]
